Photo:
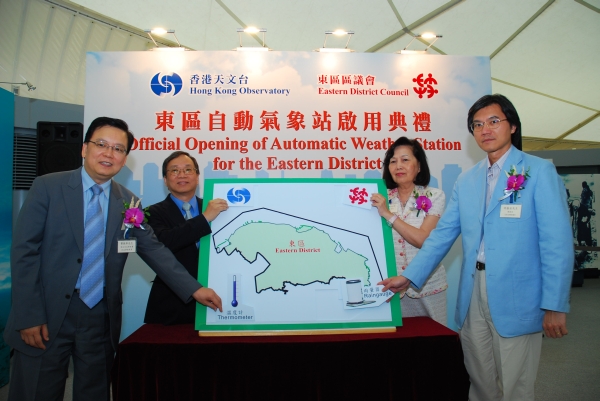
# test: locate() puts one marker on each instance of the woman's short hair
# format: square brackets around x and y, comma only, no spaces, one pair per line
[422,177]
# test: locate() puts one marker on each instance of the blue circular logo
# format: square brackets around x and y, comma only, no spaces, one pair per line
[238,195]
[166,84]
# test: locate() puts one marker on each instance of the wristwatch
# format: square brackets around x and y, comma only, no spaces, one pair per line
[390,221]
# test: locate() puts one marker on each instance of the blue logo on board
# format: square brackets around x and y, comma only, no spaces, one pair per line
[166,84]
[238,195]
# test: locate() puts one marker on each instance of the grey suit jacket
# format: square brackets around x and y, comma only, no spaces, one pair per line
[47,252]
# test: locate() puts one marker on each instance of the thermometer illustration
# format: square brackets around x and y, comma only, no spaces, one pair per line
[234,303]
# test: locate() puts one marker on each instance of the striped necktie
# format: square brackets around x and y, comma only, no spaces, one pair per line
[92,269]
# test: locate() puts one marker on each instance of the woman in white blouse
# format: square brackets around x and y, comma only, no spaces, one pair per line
[412,211]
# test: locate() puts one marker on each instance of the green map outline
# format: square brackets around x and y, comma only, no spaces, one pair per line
[269,270]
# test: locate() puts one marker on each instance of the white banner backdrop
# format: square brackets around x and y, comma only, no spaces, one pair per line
[283,115]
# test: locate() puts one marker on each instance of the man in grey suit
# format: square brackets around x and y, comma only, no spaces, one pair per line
[67,268]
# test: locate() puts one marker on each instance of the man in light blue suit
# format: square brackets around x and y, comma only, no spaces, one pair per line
[517,256]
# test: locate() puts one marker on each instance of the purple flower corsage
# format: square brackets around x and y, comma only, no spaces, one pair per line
[134,216]
[515,183]
[422,202]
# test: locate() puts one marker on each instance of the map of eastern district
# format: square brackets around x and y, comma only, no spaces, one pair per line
[282,258]
[296,255]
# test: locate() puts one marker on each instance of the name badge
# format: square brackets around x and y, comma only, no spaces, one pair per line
[127,245]
[394,208]
[511,211]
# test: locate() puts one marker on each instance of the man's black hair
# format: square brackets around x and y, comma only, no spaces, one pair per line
[509,112]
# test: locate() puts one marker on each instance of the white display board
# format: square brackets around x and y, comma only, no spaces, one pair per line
[283,115]
[285,259]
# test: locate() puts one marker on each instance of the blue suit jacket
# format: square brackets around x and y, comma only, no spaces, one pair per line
[529,260]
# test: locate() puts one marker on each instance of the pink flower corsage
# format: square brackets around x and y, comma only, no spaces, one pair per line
[134,216]
[422,202]
[515,183]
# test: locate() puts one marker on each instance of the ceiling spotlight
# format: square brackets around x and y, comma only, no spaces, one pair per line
[159,31]
[337,32]
[426,35]
[162,31]
[429,35]
[250,30]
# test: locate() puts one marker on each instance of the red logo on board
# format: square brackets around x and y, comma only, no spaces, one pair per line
[426,86]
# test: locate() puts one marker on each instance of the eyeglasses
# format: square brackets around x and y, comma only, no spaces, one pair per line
[492,124]
[186,171]
[104,145]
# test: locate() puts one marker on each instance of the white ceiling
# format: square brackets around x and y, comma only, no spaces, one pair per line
[544,54]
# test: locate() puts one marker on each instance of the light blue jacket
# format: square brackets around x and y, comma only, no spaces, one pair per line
[529,260]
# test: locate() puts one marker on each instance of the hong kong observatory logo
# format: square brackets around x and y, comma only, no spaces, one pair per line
[425,86]
[238,196]
[161,85]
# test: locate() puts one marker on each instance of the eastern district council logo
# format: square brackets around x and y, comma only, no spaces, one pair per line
[166,84]
[425,86]
[238,195]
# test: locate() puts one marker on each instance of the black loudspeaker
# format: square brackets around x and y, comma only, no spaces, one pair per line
[58,146]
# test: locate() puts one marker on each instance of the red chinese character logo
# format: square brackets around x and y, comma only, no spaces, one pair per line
[269,120]
[358,196]
[397,120]
[425,86]
[295,120]
[164,120]
[372,120]
[322,121]
[216,121]
[190,120]
[422,122]
[242,120]
[346,121]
